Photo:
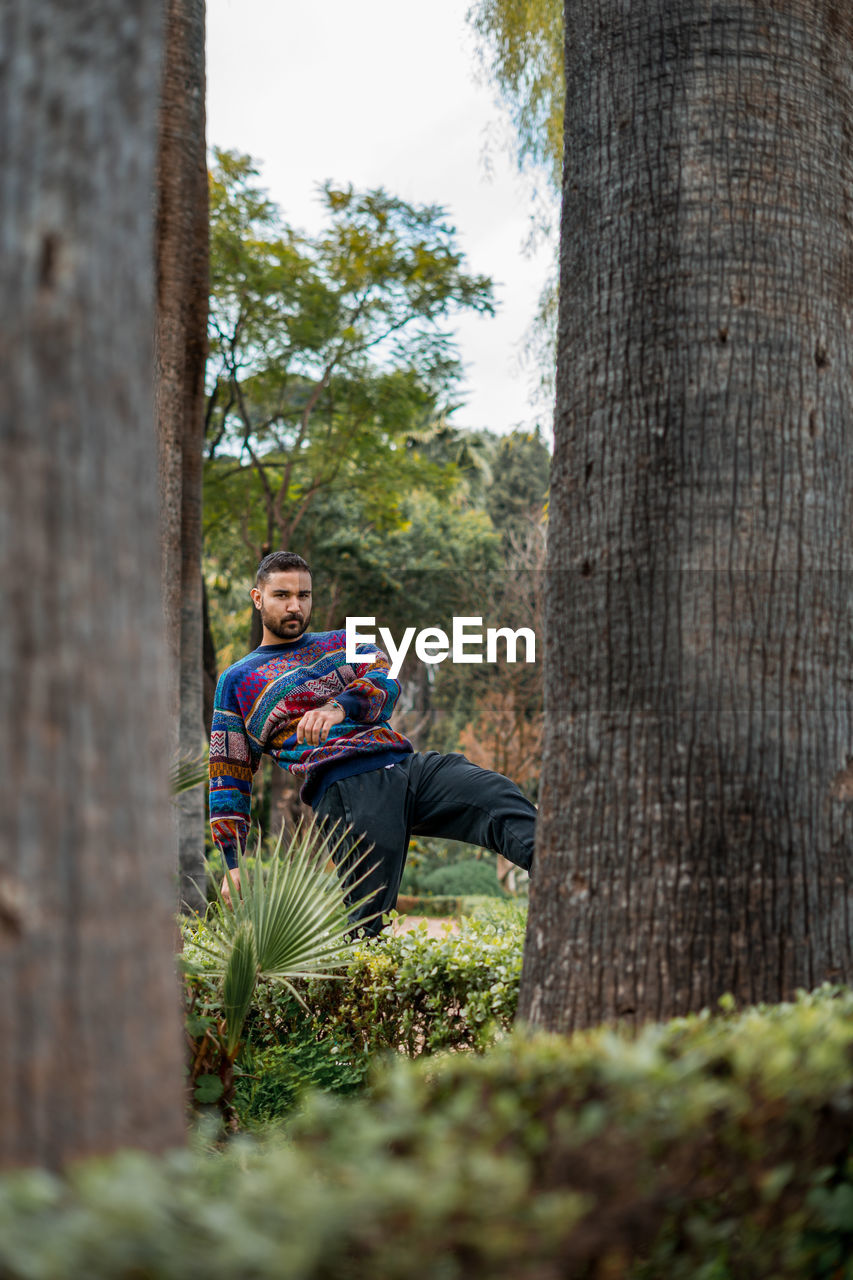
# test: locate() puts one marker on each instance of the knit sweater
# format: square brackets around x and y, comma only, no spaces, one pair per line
[259,701]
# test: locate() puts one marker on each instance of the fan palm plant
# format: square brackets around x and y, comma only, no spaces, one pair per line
[188,772]
[288,921]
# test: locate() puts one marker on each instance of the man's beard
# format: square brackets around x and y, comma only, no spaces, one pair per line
[285,629]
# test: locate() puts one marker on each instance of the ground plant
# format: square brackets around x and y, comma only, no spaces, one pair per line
[288,921]
[405,993]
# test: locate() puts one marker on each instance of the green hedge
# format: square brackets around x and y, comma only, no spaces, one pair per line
[461,879]
[417,994]
[710,1148]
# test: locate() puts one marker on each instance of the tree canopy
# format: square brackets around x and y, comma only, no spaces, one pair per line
[329,354]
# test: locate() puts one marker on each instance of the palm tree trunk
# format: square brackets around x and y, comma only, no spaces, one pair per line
[88,998]
[693,837]
[182,297]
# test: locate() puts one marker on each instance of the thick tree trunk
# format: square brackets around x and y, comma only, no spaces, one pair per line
[693,836]
[89,1018]
[182,298]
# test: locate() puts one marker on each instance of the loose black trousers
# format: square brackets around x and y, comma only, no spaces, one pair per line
[425,794]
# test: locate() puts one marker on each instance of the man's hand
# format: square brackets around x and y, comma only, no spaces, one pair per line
[225,887]
[314,726]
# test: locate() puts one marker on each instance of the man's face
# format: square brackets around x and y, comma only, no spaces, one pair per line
[284,601]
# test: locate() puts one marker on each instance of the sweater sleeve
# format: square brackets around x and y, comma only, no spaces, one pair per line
[371,696]
[232,767]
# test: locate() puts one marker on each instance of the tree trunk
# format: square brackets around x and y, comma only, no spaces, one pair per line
[693,837]
[182,300]
[209,666]
[89,1006]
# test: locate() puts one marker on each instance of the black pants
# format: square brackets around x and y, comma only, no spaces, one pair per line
[425,795]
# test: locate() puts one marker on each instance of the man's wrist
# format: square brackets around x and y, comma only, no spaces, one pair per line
[349,705]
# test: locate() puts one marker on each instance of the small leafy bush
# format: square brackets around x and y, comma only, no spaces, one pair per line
[274,1080]
[709,1148]
[415,994]
[474,876]
[428,854]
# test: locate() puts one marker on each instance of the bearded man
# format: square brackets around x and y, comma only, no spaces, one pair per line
[297,699]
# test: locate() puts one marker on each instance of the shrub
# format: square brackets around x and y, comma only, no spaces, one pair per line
[428,855]
[415,994]
[273,1080]
[708,1147]
[473,876]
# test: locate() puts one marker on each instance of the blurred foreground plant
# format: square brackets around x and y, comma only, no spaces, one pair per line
[713,1147]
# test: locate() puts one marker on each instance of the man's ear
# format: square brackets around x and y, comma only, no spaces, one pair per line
[256,597]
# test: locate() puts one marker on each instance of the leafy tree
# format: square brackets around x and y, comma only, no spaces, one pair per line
[327,353]
[695,829]
[516,496]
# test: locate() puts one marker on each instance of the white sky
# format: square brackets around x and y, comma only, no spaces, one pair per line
[384,93]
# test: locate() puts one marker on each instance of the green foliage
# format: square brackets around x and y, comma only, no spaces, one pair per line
[416,574]
[427,854]
[408,993]
[522,53]
[473,876]
[272,1080]
[327,353]
[289,920]
[710,1147]
[521,471]
[414,994]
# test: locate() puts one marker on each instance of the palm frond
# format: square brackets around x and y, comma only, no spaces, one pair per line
[188,772]
[241,974]
[290,921]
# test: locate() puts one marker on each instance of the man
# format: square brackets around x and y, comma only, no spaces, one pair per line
[328,721]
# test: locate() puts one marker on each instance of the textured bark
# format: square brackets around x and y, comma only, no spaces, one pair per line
[182,300]
[694,837]
[89,1008]
[209,665]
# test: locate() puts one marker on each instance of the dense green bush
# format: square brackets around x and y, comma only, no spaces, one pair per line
[416,994]
[705,1149]
[458,879]
[429,857]
[272,1080]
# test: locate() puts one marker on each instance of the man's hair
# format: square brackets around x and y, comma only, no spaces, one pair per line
[279,562]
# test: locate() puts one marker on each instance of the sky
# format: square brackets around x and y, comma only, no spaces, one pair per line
[387,93]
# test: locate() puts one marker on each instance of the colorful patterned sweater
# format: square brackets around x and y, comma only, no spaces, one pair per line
[259,701]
